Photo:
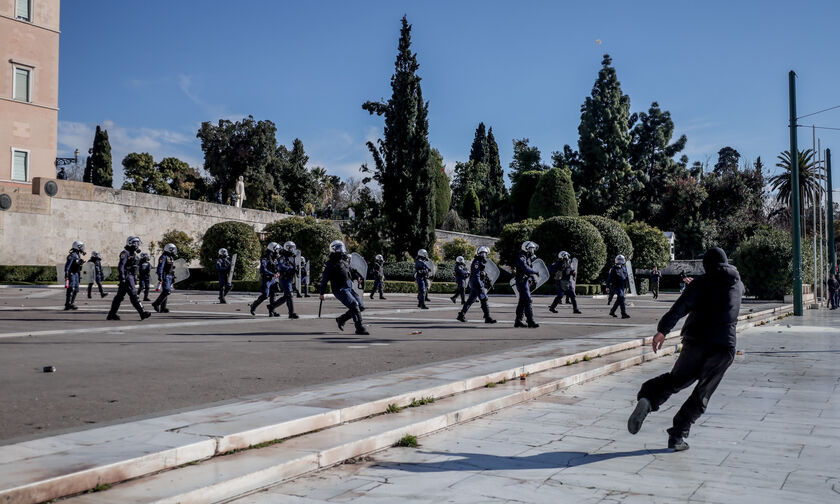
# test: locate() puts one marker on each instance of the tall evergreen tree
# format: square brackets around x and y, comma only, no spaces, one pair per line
[88,175]
[478,151]
[443,193]
[102,173]
[298,184]
[525,159]
[605,180]
[495,177]
[401,158]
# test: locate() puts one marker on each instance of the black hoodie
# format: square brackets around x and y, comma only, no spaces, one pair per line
[712,303]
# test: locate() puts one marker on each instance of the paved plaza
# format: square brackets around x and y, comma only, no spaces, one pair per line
[771,434]
[203,352]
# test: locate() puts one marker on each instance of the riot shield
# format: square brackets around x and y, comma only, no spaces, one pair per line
[575,265]
[630,278]
[180,270]
[542,276]
[492,272]
[106,272]
[59,273]
[432,271]
[298,258]
[359,265]
[88,273]
[232,268]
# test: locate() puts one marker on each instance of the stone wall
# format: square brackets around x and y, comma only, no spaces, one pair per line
[39,229]
[476,240]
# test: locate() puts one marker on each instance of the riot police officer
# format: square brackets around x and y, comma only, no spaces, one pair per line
[477,288]
[72,269]
[524,278]
[461,276]
[127,270]
[286,277]
[268,275]
[421,275]
[562,268]
[616,283]
[96,259]
[337,273]
[223,266]
[378,276]
[166,276]
[145,276]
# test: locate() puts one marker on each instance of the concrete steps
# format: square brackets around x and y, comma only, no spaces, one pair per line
[59,466]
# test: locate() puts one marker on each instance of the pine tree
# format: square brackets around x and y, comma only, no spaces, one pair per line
[298,185]
[402,158]
[525,159]
[443,193]
[605,180]
[478,151]
[102,173]
[496,177]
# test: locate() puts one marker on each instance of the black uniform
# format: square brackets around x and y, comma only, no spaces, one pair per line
[617,281]
[127,270]
[337,273]
[97,277]
[378,270]
[72,270]
[461,277]
[145,278]
[166,277]
[562,268]
[712,302]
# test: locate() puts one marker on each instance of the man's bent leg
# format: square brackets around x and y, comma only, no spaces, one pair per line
[713,367]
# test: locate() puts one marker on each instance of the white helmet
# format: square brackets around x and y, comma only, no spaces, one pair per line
[338,246]
[223,252]
[272,246]
[530,247]
[422,253]
[94,255]
[563,255]
[171,249]
[459,259]
[290,246]
[133,241]
[619,259]
[80,246]
[379,258]
[482,251]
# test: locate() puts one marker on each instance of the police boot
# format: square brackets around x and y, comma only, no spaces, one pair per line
[357,319]
[90,290]
[144,315]
[553,307]
[427,298]
[291,305]
[575,306]
[73,301]
[255,304]
[222,300]
[342,319]
[529,315]
[68,305]
[112,316]
[102,292]
[163,308]
[486,309]
[519,323]
[461,317]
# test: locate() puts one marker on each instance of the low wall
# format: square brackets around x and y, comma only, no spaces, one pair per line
[38,229]
[476,240]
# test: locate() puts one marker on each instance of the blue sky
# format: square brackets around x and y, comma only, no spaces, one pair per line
[152,71]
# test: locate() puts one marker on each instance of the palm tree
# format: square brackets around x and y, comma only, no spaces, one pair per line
[809,178]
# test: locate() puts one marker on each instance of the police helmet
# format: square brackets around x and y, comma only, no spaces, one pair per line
[422,253]
[563,255]
[338,246]
[272,246]
[482,251]
[80,246]
[223,252]
[133,241]
[95,255]
[289,246]
[171,249]
[459,259]
[619,259]
[379,258]
[530,247]
[144,256]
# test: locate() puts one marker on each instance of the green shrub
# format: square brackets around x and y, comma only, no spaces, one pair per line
[511,238]
[311,236]
[239,238]
[471,208]
[650,247]
[765,263]
[458,247]
[28,274]
[522,190]
[576,236]
[615,238]
[187,250]
[554,195]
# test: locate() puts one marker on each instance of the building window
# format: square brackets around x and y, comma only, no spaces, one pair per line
[23,10]
[22,84]
[20,165]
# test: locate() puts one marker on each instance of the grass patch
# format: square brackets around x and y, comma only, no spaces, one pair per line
[422,401]
[99,488]
[393,408]
[503,381]
[490,385]
[407,441]
[587,358]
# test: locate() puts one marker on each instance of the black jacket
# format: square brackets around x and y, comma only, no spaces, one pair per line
[712,302]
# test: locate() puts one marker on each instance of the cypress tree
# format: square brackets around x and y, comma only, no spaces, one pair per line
[102,173]
[553,195]
[478,151]
[402,158]
[472,207]
[605,179]
[443,193]
[496,177]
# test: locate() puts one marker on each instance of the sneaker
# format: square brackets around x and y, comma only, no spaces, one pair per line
[272,314]
[144,315]
[677,443]
[112,316]
[294,316]
[461,317]
[89,296]
[634,423]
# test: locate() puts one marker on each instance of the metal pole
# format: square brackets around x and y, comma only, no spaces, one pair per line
[821,227]
[831,255]
[814,211]
[794,196]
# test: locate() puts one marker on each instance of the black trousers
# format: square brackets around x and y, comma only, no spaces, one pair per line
[706,366]
[126,287]
[460,290]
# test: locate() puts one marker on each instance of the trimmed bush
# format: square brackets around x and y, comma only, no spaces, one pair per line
[615,238]
[576,236]
[650,247]
[554,195]
[765,262]
[239,238]
[184,242]
[312,237]
[511,238]
[458,247]
[28,274]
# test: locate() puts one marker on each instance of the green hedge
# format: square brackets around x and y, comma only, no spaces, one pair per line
[765,263]
[615,238]
[553,195]
[511,238]
[27,274]
[238,238]
[650,247]
[576,236]
[312,237]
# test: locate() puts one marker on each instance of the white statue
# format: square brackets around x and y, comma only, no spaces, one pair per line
[240,191]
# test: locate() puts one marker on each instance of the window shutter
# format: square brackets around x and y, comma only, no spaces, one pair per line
[21,84]
[23,10]
[19,165]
